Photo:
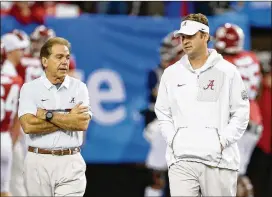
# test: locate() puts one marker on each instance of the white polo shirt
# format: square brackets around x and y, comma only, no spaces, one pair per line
[41,93]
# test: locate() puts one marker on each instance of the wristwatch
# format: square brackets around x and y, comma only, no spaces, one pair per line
[48,115]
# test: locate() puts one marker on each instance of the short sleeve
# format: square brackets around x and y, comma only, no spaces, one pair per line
[26,101]
[84,97]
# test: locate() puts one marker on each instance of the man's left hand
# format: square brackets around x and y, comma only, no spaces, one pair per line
[41,113]
[244,187]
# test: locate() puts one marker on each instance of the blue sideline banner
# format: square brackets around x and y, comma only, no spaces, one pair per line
[258,12]
[115,53]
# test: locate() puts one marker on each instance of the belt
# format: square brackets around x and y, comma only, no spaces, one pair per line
[60,152]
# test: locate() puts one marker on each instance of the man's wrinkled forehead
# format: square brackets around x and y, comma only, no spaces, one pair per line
[60,49]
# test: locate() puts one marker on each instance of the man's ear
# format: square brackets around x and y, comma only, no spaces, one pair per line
[44,62]
[207,37]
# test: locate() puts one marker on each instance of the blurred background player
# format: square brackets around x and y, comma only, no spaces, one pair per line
[2,54]
[10,87]
[260,166]
[229,41]
[15,44]
[30,67]
[170,52]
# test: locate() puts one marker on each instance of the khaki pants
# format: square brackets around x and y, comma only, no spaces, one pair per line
[49,175]
[195,179]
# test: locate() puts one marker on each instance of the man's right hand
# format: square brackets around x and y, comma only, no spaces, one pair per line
[79,109]
[80,112]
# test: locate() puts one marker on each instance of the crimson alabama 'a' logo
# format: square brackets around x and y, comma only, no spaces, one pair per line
[210,85]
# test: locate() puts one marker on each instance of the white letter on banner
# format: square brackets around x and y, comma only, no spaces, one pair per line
[116,93]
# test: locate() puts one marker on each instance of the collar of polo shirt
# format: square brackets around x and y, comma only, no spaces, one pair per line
[48,84]
[189,27]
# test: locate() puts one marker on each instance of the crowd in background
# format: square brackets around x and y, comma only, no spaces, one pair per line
[29,12]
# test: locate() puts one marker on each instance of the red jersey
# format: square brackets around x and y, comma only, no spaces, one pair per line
[249,68]
[265,142]
[72,65]
[10,88]
[31,68]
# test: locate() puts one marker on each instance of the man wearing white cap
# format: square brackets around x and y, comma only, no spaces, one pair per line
[203,110]
[14,47]
[10,87]
[15,44]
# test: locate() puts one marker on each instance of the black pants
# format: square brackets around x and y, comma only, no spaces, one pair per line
[122,180]
[166,192]
[260,173]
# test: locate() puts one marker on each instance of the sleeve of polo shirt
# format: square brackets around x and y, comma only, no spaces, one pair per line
[84,97]
[27,104]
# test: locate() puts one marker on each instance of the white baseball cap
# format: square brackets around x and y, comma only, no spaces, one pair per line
[189,27]
[13,42]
